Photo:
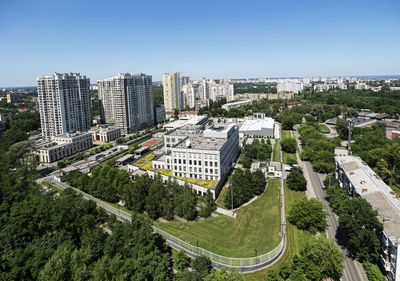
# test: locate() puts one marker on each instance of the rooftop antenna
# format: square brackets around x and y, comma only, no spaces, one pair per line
[350,122]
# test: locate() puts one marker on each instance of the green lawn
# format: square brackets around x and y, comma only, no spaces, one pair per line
[257,226]
[221,197]
[295,238]
[286,134]
[276,154]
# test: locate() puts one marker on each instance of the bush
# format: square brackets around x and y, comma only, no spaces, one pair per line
[373,272]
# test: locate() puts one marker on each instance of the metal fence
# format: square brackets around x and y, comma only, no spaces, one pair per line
[242,264]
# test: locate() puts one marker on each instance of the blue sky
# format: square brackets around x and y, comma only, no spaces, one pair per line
[214,39]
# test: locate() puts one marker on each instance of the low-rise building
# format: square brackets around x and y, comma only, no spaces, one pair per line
[258,125]
[64,145]
[184,120]
[197,153]
[229,106]
[359,180]
[105,134]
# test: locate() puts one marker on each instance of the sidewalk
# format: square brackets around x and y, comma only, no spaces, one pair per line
[226,212]
[310,189]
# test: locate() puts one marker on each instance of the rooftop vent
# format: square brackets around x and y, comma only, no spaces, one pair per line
[364,190]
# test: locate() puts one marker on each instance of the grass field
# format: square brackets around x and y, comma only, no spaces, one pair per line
[257,226]
[287,156]
[295,238]
[221,197]
[275,152]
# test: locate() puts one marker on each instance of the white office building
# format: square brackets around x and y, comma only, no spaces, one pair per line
[64,145]
[64,103]
[258,125]
[127,101]
[359,180]
[290,86]
[198,153]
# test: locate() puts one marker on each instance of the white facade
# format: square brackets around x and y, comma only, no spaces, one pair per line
[258,125]
[64,103]
[63,146]
[229,106]
[105,134]
[220,89]
[290,86]
[193,152]
[127,101]
[359,180]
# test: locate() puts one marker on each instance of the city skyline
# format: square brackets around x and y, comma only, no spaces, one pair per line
[215,40]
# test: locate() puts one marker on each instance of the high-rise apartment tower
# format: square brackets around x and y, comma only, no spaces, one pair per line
[64,103]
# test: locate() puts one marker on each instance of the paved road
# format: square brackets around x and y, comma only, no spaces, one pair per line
[352,269]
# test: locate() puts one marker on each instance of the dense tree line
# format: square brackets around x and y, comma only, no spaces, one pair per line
[258,150]
[319,149]
[380,153]
[318,259]
[357,221]
[244,186]
[144,194]
[384,101]
[60,237]
[18,127]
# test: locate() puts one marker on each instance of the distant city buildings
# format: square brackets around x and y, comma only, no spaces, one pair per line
[64,103]
[12,97]
[290,86]
[127,101]
[195,94]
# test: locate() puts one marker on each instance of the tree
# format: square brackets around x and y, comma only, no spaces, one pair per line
[360,225]
[202,264]
[272,275]
[296,180]
[181,260]
[289,145]
[320,259]
[288,122]
[223,275]
[308,215]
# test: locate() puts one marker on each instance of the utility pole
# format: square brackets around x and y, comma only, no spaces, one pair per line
[350,122]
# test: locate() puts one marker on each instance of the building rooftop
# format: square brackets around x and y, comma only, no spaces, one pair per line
[372,188]
[212,138]
[257,124]
[187,120]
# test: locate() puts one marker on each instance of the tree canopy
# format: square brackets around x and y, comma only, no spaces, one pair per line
[308,215]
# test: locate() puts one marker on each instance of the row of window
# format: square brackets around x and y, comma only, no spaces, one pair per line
[195,176]
[195,169]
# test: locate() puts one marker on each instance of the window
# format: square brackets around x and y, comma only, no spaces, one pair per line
[216,164]
[206,170]
[211,171]
[190,169]
[216,171]
[190,162]
[199,162]
[195,169]
[195,162]
[206,163]
[184,161]
[180,161]
[199,170]
[175,161]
